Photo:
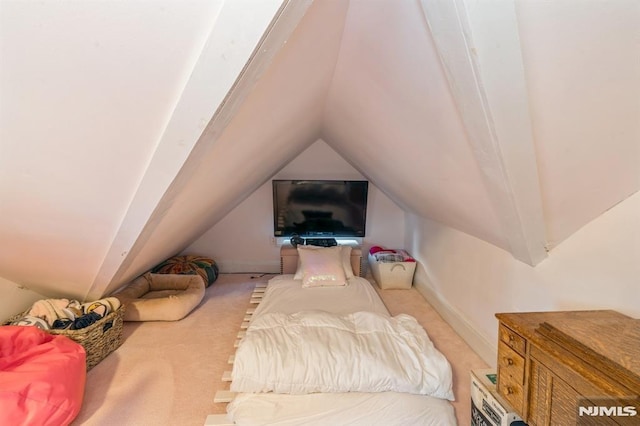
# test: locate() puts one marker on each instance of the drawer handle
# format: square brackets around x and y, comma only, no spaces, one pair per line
[511,338]
[509,361]
[509,390]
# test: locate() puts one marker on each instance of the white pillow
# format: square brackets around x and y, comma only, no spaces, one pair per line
[346,261]
[323,267]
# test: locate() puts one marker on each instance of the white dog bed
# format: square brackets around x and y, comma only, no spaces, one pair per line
[161,297]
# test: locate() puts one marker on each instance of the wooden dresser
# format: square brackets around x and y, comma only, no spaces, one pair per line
[552,363]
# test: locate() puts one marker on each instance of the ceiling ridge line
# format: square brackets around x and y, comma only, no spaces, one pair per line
[510,176]
[333,75]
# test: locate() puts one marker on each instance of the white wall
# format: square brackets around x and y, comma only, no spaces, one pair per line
[583,71]
[15,299]
[470,280]
[101,105]
[243,240]
[86,92]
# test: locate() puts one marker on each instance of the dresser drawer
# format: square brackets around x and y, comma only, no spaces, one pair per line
[512,391]
[511,377]
[512,339]
[510,363]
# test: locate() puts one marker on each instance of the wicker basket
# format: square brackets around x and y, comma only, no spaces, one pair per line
[99,339]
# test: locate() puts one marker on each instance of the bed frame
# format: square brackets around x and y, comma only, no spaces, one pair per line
[228,396]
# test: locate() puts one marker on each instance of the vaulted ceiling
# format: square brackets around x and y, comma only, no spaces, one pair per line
[128,129]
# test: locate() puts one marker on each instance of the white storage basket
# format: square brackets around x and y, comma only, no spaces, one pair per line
[394,273]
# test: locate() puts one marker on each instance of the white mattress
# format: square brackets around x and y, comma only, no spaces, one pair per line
[285,295]
[354,409]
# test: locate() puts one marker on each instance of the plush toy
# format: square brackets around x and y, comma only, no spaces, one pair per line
[190,265]
[31,320]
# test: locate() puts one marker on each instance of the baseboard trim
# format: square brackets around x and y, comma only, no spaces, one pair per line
[480,345]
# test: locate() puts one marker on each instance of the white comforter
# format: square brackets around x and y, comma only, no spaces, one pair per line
[316,351]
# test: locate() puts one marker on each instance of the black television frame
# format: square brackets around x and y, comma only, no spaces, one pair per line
[278,232]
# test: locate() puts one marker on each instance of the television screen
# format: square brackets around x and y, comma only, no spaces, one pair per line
[320,208]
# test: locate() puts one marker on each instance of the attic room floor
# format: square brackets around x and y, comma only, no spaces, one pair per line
[167,373]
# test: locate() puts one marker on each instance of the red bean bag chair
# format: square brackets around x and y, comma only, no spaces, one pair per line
[42,377]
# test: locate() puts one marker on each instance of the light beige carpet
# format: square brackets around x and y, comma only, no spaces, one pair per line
[167,373]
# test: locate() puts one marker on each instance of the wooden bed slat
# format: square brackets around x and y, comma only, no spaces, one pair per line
[218,420]
[224,396]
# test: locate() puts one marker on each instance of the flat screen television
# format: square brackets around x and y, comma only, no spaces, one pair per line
[320,208]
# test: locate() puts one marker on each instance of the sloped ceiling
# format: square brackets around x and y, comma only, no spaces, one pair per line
[128,129]
[390,112]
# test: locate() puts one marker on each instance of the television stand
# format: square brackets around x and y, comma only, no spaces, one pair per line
[321,242]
